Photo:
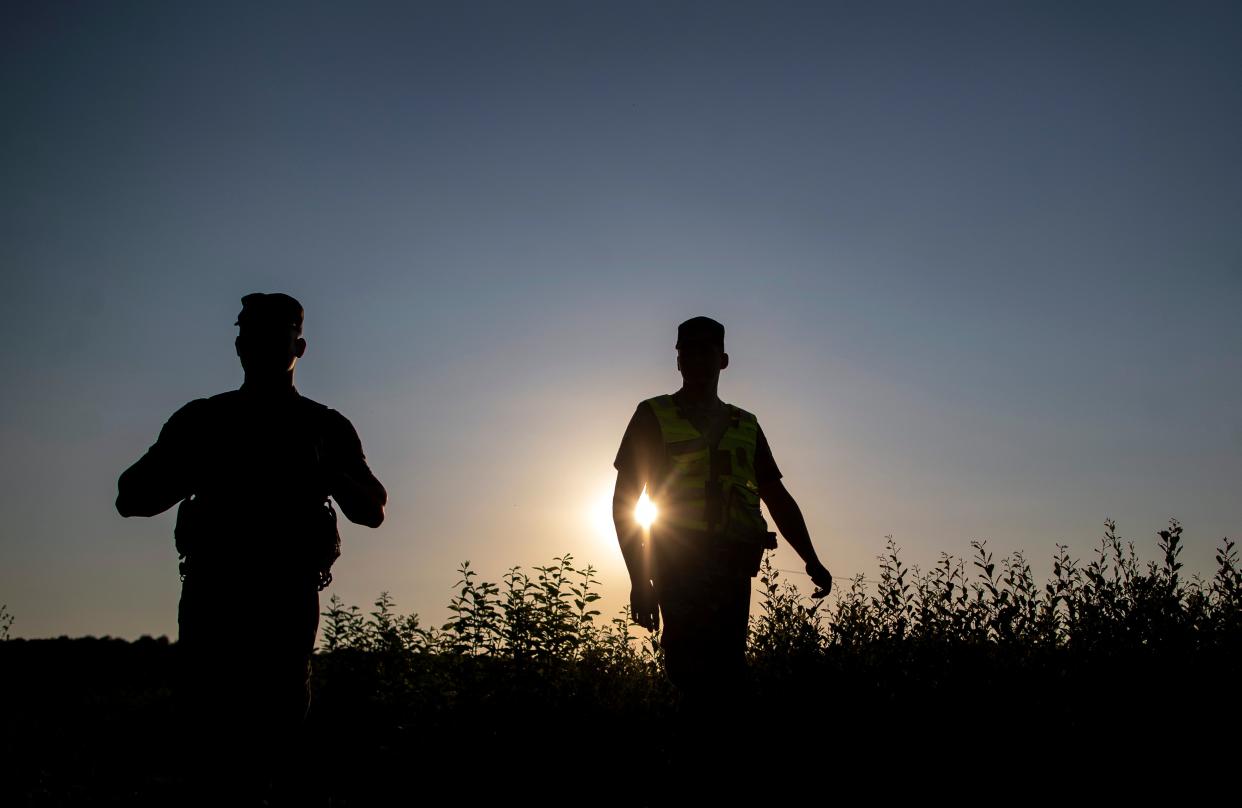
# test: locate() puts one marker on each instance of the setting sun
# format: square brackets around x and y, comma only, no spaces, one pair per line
[646,511]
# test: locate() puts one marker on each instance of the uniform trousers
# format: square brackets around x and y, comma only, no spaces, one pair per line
[704,596]
[244,686]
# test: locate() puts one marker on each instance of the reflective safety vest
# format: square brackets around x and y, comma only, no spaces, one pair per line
[710,489]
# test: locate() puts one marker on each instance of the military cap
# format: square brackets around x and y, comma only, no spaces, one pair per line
[702,330]
[274,309]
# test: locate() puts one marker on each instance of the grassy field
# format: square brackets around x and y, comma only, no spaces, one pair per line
[970,679]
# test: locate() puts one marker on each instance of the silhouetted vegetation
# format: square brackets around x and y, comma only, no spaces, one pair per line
[968,669]
[1111,604]
[1105,651]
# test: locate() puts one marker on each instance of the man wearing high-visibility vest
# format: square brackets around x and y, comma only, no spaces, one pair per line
[706,465]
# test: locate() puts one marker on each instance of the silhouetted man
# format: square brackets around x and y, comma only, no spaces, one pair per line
[706,465]
[253,470]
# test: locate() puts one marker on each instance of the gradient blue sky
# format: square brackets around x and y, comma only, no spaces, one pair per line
[980,265]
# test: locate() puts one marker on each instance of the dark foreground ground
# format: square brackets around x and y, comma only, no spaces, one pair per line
[92,721]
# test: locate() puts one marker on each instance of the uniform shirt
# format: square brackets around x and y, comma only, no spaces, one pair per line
[642,451]
[261,464]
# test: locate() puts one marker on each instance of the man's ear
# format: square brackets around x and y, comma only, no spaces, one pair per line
[299,348]
[724,361]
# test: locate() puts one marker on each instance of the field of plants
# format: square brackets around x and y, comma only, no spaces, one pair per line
[970,679]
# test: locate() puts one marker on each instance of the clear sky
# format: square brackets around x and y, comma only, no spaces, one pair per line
[980,266]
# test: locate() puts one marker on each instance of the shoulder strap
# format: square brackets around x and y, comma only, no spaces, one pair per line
[717,428]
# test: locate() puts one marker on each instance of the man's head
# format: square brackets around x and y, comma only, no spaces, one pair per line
[700,350]
[270,340]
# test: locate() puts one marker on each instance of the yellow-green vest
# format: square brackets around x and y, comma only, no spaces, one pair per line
[688,497]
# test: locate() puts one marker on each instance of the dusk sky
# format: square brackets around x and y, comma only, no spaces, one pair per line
[980,267]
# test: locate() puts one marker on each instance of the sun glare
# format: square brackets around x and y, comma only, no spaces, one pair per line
[645,512]
[600,513]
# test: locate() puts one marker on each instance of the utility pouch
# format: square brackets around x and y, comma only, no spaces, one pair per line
[743,534]
[743,521]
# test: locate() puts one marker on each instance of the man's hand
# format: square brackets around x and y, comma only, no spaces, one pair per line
[788,517]
[644,608]
[821,577]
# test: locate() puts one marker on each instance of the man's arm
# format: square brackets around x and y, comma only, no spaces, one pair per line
[160,478]
[629,534]
[633,466]
[361,496]
[644,607]
[789,521]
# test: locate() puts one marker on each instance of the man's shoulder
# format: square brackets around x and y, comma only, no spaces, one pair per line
[194,419]
[645,419]
[649,411]
[199,408]
[656,402]
[214,403]
[746,414]
[326,416]
[317,406]
[211,407]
